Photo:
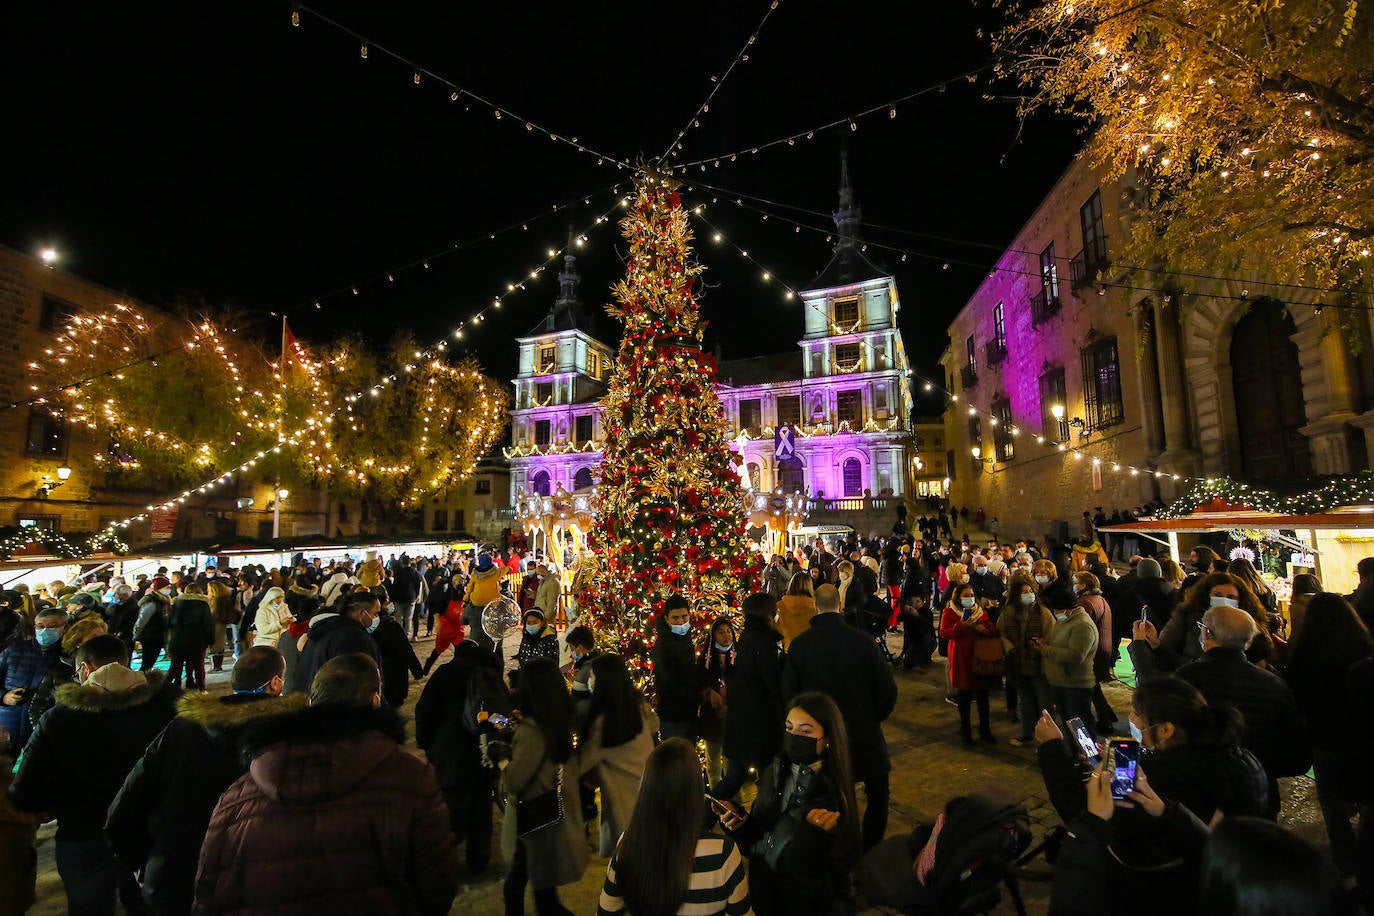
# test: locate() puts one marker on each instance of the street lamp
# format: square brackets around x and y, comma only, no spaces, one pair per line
[282,493]
[977,452]
[47,485]
[1057,411]
[48,256]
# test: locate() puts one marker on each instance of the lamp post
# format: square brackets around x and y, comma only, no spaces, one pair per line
[1057,410]
[282,493]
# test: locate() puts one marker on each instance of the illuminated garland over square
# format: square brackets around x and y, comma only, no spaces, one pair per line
[1335,493]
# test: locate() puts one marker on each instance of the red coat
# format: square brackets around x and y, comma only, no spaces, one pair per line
[451,624]
[961,636]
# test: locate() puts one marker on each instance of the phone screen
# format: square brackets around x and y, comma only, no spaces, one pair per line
[1125,756]
[1085,740]
[1144,613]
[717,807]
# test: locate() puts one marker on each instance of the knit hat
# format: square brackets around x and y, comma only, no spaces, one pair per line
[484,562]
[1148,568]
[160,582]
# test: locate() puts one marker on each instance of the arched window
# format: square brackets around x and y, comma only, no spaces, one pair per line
[582,480]
[539,483]
[853,472]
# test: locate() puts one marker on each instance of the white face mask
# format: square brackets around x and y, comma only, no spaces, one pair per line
[1028,598]
[1061,616]
[1220,601]
[1042,580]
[968,601]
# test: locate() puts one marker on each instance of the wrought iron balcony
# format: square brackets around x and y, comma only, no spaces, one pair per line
[995,351]
[969,376]
[1044,306]
[1088,263]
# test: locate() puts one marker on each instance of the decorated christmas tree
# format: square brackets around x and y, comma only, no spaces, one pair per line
[671,517]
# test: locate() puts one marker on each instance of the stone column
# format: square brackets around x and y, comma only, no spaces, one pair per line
[1147,370]
[1178,455]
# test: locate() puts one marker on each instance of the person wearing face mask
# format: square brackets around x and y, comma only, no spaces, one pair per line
[332,634]
[1087,587]
[987,586]
[717,662]
[537,639]
[64,672]
[961,622]
[22,666]
[802,834]
[150,629]
[398,661]
[1066,654]
[955,575]
[1024,619]
[1273,729]
[582,651]
[333,813]
[1177,643]
[112,713]
[678,679]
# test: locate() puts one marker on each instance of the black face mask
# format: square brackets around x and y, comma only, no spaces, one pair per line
[801,749]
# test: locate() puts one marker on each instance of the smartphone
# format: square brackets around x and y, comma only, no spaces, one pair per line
[1125,757]
[717,806]
[498,721]
[1144,613]
[1080,734]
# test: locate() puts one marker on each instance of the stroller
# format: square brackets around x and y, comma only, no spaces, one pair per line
[976,843]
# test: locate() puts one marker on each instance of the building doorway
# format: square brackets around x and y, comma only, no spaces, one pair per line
[1267,378]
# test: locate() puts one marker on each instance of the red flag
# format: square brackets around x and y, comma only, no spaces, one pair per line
[290,349]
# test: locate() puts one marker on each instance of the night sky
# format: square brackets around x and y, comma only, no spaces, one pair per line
[211,152]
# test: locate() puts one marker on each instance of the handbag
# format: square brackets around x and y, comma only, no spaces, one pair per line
[989,659]
[542,811]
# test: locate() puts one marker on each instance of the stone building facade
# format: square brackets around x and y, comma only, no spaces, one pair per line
[1079,388]
[844,392]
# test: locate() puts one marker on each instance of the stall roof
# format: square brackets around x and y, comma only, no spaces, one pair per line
[1221,516]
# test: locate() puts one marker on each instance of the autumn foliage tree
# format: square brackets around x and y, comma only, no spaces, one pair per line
[1250,122]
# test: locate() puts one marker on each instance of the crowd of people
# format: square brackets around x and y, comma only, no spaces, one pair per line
[750,773]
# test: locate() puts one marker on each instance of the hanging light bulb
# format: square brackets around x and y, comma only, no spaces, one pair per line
[362,50]
[296,18]
[416,78]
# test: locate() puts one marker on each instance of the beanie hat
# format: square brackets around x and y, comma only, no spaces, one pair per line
[484,562]
[1148,568]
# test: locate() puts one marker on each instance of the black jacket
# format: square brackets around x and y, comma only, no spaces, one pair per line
[840,661]
[123,616]
[1160,601]
[677,679]
[406,586]
[1273,730]
[333,636]
[398,660]
[79,754]
[452,750]
[754,715]
[545,645]
[1330,704]
[160,816]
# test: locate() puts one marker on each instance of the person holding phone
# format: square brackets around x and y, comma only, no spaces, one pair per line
[1023,621]
[802,835]
[665,862]
[961,622]
[1067,653]
[22,666]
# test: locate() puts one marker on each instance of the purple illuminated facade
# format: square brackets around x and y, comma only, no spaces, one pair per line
[844,389]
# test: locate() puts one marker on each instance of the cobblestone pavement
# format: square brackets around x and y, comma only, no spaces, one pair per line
[930,766]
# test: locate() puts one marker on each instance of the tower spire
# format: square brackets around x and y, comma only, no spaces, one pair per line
[569,280]
[848,216]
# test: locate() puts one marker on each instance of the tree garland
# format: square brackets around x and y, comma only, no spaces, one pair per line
[1337,492]
[60,546]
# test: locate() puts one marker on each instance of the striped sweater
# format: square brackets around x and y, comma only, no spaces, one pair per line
[718,883]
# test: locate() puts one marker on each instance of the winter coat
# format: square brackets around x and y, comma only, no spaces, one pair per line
[838,660]
[677,678]
[79,754]
[545,645]
[617,771]
[1329,704]
[331,635]
[330,590]
[484,586]
[23,664]
[546,597]
[1067,655]
[1159,598]
[439,730]
[960,634]
[795,613]
[288,644]
[754,716]
[988,588]
[123,617]
[715,671]
[558,854]
[1273,729]
[1101,613]
[333,816]
[192,626]
[44,696]
[272,617]
[805,864]
[1019,625]
[405,589]
[775,582]
[370,573]
[159,818]
[18,859]
[398,661]
[151,626]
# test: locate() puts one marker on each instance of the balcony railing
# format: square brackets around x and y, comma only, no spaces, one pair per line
[1044,306]
[995,351]
[969,376]
[1087,264]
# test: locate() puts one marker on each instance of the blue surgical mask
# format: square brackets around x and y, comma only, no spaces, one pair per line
[1137,734]
[680,629]
[533,629]
[968,601]
[980,570]
[577,656]
[1219,601]
[48,637]
[1061,617]
[372,627]
[720,648]
[1042,580]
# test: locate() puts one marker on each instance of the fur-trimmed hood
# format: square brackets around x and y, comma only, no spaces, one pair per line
[92,697]
[223,713]
[311,592]
[321,752]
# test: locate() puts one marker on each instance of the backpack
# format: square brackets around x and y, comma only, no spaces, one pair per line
[487,693]
[983,834]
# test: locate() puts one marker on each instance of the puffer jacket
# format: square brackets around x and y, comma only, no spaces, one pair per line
[544,645]
[112,717]
[159,817]
[794,617]
[192,625]
[484,586]
[1067,655]
[23,664]
[333,815]
[677,678]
